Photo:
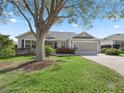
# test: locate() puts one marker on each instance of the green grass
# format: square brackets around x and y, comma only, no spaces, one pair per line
[122,53]
[71,74]
[17,59]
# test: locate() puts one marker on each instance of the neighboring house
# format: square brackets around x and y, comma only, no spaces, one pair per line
[114,41]
[82,43]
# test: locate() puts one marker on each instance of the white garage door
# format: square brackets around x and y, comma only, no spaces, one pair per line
[86,47]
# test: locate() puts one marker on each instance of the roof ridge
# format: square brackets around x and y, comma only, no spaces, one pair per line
[61,32]
[84,35]
[50,33]
[112,36]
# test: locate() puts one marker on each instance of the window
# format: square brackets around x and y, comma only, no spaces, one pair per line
[117,42]
[63,45]
[27,44]
[30,44]
[33,44]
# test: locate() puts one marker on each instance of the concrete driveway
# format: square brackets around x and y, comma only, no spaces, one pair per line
[114,62]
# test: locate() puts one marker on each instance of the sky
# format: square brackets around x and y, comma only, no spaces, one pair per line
[100,29]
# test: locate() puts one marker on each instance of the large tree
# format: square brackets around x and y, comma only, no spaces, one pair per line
[41,15]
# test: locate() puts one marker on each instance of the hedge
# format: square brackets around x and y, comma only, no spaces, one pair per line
[65,51]
[112,51]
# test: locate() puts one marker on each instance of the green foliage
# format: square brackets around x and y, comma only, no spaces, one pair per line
[6,46]
[82,13]
[103,50]
[49,50]
[112,51]
[122,53]
[8,52]
[76,75]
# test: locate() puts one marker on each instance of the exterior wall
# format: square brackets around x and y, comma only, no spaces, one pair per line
[106,42]
[59,44]
[31,37]
[98,47]
[25,37]
[68,44]
[19,43]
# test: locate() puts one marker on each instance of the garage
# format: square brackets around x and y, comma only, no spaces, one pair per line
[86,47]
[85,43]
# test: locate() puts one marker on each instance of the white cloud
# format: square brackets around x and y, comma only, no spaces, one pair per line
[13,20]
[75,25]
[117,26]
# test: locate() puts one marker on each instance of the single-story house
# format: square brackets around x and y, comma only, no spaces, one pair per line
[113,41]
[82,43]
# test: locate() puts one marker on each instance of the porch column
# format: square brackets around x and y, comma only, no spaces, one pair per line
[98,47]
[70,44]
[59,44]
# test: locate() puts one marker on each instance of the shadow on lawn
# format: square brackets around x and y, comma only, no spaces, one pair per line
[8,69]
[28,66]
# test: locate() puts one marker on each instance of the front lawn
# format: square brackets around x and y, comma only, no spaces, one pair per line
[17,59]
[71,74]
[14,61]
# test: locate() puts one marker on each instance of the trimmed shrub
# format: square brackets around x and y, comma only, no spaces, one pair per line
[65,51]
[8,52]
[112,51]
[49,50]
[103,50]
[6,46]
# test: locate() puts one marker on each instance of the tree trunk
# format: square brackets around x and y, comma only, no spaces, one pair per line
[40,48]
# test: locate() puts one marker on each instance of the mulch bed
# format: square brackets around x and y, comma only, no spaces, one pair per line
[4,64]
[27,66]
[33,65]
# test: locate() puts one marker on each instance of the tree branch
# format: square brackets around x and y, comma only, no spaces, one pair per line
[41,20]
[31,29]
[27,6]
[54,12]
[47,9]
[69,6]
[64,16]
[52,6]
[36,12]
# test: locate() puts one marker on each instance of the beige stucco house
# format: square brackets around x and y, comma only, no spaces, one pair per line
[114,41]
[82,43]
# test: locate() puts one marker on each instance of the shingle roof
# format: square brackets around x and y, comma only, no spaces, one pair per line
[61,35]
[54,35]
[85,35]
[115,37]
[23,34]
